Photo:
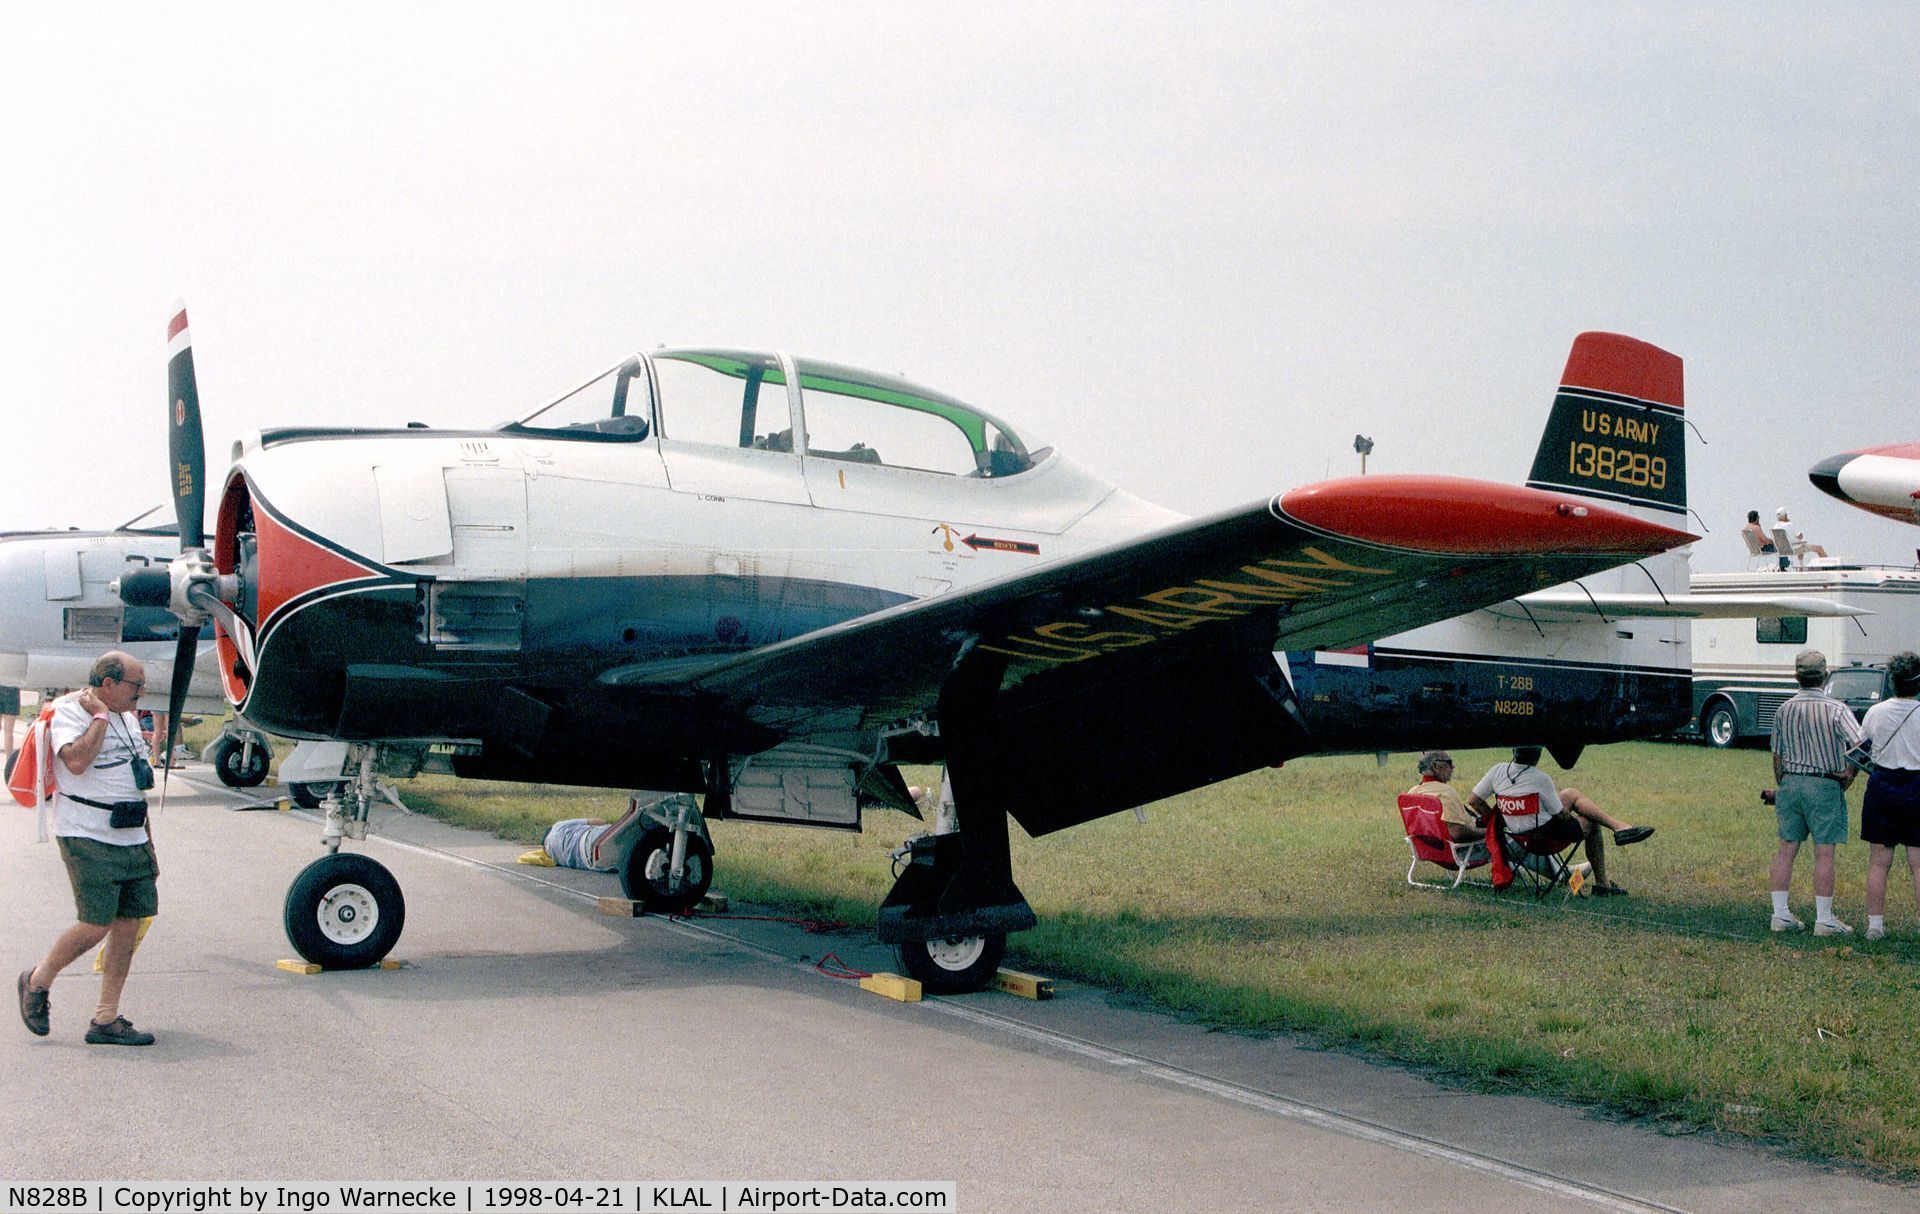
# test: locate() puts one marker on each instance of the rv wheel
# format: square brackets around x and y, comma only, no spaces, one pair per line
[1721,728]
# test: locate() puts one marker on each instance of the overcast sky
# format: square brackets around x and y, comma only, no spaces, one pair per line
[1197,247]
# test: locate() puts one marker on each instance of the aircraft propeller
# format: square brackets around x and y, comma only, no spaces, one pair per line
[186,449]
[191,587]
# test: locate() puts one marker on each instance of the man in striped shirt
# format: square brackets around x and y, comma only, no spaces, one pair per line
[1812,733]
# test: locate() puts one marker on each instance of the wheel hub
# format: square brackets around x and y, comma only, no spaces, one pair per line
[956,952]
[348,914]
[660,866]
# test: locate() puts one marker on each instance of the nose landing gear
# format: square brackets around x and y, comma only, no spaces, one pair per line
[345,911]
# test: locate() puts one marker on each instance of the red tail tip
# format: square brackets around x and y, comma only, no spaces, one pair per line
[1611,362]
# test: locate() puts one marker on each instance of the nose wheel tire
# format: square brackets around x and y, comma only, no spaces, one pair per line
[344,912]
[650,863]
[231,762]
[954,966]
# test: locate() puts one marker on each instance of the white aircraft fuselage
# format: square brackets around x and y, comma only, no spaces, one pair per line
[59,613]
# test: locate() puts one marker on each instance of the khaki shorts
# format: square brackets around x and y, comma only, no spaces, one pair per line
[109,881]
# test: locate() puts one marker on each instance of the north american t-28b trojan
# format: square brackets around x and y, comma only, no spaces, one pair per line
[767,580]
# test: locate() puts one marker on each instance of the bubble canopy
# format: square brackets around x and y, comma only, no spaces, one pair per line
[772,402]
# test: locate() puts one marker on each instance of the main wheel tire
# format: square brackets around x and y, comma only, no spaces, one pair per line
[958,965]
[309,796]
[644,875]
[229,758]
[344,912]
[1721,727]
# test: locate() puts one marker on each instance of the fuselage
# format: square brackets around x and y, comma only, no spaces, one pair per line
[58,611]
[498,587]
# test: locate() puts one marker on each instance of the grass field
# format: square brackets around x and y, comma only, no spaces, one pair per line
[1277,901]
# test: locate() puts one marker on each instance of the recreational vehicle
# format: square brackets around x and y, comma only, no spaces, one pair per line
[1743,668]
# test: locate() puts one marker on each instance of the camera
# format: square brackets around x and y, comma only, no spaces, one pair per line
[1766,796]
[142,772]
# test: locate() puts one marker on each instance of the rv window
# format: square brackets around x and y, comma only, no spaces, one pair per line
[1786,630]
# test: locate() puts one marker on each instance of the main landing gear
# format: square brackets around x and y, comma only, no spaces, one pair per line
[345,910]
[954,901]
[240,756]
[671,865]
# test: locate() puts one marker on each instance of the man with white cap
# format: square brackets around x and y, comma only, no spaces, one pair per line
[1812,733]
[1796,540]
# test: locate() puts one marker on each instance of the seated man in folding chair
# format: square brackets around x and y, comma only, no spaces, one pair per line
[1436,774]
[1567,813]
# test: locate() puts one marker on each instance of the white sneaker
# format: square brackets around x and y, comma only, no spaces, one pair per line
[1877,933]
[1831,927]
[1788,922]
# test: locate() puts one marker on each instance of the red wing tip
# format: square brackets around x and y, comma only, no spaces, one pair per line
[1481,518]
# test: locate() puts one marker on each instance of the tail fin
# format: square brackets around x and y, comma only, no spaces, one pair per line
[1617,431]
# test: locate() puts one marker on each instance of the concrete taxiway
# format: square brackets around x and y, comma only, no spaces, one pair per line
[528,1037]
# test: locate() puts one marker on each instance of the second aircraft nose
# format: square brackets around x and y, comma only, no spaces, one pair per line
[1825,475]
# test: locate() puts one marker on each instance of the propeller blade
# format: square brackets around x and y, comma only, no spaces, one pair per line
[185,443]
[183,651]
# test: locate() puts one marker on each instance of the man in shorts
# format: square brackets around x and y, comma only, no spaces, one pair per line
[1812,733]
[102,774]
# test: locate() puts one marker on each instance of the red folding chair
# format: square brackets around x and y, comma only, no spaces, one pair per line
[1427,837]
[1548,846]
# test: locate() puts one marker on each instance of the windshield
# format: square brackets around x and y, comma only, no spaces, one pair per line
[1855,684]
[157,521]
[611,405]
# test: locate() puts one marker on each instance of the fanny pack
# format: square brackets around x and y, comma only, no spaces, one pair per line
[125,814]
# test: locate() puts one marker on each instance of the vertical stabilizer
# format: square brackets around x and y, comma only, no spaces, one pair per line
[1617,428]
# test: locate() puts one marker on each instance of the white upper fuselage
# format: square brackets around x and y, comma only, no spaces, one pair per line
[503,506]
